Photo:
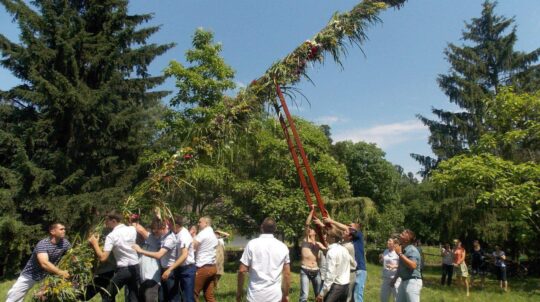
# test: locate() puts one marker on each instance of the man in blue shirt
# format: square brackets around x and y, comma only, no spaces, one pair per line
[357,239]
[409,269]
[45,256]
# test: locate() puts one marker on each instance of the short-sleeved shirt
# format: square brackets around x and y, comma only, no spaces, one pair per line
[169,243]
[120,242]
[206,252]
[390,263]
[265,256]
[55,251]
[448,256]
[359,255]
[406,273]
[148,266]
[185,241]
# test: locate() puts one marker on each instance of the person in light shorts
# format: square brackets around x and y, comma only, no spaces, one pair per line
[460,267]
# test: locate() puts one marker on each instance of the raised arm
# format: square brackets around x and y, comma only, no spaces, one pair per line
[94,243]
[308,222]
[339,225]
[141,230]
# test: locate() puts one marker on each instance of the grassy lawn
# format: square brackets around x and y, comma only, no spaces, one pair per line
[520,290]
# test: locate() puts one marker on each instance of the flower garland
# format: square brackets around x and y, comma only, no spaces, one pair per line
[332,39]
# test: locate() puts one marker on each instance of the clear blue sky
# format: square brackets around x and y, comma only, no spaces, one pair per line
[375,97]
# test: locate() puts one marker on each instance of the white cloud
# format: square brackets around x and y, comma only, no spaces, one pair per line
[386,135]
[240,84]
[329,120]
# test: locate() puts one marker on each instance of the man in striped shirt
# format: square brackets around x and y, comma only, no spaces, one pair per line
[43,261]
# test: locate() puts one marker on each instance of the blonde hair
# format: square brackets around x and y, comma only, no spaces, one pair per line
[335,234]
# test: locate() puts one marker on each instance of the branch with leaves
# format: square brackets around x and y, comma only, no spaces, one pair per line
[223,121]
[343,30]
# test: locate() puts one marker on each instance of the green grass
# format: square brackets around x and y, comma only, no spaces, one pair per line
[520,290]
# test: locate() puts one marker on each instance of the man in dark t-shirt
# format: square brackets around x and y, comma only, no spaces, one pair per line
[43,261]
[478,263]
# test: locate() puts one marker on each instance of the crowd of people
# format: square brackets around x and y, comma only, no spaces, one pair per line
[164,262]
[453,262]
[167,261]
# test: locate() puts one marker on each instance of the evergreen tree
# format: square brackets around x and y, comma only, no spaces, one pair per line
[478,71]
[72,132]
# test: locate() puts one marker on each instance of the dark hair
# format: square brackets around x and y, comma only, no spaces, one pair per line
[114,215]
[268,226]
[178,220]
[157,224]
[412,236]
[54,225]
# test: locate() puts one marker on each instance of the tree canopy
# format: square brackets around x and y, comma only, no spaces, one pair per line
[72,132]
[478,70]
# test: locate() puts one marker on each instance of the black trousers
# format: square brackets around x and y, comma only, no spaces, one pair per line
[447,273]
[149,291]
[337,293]
[124,276]
[99,285]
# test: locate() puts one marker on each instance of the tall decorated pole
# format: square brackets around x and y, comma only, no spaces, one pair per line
[332,39]
[343,30]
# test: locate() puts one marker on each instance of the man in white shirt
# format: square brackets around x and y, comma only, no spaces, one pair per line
[166,255]
[339,263]
[266,259]
[119,242]
[184,267]
[205,244]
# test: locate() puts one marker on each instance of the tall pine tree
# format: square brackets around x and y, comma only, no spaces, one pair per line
[478,70]
[71,133]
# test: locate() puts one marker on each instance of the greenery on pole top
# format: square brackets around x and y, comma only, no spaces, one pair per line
[332,39]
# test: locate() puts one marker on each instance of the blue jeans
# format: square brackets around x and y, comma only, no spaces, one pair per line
[186,276]
[359,282]
[305,277]
[409,290]
[169,290]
